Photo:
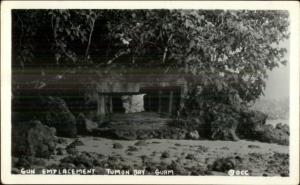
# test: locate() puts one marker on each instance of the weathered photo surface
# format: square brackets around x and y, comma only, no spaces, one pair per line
[190,92]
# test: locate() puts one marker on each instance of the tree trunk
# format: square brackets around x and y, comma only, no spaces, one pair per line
[90,39]
[183,94]
[171,102]
[159,101]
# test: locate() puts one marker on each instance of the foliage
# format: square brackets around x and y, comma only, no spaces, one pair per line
[225,52]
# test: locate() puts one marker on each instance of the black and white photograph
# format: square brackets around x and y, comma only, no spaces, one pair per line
[150,92]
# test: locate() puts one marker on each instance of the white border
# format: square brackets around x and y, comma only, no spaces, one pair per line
[7,177]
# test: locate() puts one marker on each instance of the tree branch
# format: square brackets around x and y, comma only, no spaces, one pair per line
[121,53]
[166,49]
[90,38]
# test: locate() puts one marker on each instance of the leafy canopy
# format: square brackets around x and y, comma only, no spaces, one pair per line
[226,52]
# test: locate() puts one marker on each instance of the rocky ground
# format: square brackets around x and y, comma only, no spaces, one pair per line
[184,157]
[58,140]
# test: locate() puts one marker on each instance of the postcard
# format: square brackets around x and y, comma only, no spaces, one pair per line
[151,92]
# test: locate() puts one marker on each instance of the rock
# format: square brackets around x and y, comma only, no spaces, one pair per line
[53,130]
[58,115]
[165,154]
[79,160]
[253,146]
[15,171]
[145,158]
[143,134]
[71,150]
[67,165]
[61,140]
[251,122]
[284,174]
[132,149]
[38,162]
[253,127]
[199,170]
[202,149]
[177,168]
[117,146]
[225,148]
[279,136]
[193,135]
[52,166]
[156,142]
[141,143]
[225,164]
[190,156]
[100,171]
[125,134]
[129,153]
[32,139]
[84,125]
[150,167]
[270,134]
[127,167]
[60,151]
[284,127]
[76,142]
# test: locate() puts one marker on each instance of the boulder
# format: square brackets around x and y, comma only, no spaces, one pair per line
[251,122]
[140,143]
[117,146]
[71,148]
[79,160]
[125,134]
[253,127]
[193,135]
[272,135]
[60,151]
[132,149]
[284,127]
[84,125]
[32,139]
[191,157]
[76,142]
[177,168]
[58,115]
[15,171]
[225,164]
[165,154]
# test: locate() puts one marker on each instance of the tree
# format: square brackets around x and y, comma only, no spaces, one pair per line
[225,53]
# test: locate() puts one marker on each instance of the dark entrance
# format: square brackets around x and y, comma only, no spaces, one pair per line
[161,99]
[117,104]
